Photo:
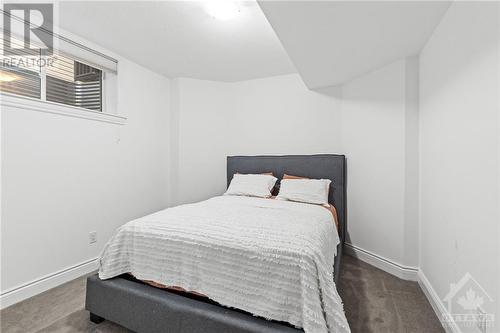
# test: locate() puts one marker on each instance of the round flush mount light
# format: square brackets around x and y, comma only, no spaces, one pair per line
[222,9]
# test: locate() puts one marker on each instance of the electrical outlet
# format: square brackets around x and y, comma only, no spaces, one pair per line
[92,237]
[481,320]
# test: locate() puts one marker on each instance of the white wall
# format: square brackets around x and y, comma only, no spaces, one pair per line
[459,131]
[63,177]
[412,153]
[204,112]
[378,136]
[277,115]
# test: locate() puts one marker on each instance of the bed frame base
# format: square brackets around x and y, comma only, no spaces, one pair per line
[95,318]
[145,309]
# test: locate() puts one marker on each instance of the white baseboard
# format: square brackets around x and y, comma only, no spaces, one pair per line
[436,303]
[389,266]
[35,287]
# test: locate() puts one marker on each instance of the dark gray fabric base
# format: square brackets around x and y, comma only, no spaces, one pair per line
[146,309]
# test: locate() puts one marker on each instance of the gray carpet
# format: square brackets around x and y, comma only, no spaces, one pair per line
[374,302]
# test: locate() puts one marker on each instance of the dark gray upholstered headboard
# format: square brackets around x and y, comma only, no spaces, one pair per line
[326,166]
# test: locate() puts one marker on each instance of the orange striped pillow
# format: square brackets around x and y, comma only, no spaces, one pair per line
[285,176]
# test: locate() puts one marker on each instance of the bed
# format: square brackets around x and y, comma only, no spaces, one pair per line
[304,288]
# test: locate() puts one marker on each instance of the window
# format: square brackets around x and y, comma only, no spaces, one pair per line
[65,81]
[74,83]
[73,75]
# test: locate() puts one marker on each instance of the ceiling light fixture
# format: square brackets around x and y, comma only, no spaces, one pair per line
[222,9]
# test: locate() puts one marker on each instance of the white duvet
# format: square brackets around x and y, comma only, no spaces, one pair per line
[271,258]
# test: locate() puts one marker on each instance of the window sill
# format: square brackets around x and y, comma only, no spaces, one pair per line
[7,100]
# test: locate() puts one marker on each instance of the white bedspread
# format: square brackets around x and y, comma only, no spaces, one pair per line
[271,258]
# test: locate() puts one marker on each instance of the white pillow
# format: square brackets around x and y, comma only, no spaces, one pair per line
[314,191]
[251,185]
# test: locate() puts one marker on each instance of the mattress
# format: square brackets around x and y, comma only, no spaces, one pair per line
[271,258]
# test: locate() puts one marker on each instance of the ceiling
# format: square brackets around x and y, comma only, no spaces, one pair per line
[331,42]
[180,39]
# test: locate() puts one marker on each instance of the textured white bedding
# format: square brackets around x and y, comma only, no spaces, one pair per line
[271,258]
